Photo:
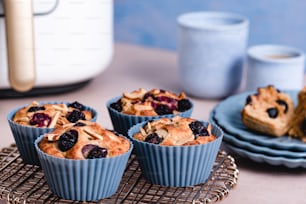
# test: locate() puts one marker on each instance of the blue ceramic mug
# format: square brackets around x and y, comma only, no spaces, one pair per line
[278,65]
[211,53]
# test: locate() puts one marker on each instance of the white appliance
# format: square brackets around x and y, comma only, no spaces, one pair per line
[52,43]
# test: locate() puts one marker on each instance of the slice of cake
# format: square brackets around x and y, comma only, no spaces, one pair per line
[268,111]
[298,122]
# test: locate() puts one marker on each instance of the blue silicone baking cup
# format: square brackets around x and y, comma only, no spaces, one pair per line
[123,122]
[176,166]
[25,136]
[83,180]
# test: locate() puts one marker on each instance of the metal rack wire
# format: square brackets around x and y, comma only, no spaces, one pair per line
[21,183]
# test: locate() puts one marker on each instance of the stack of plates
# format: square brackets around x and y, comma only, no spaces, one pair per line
[287,151]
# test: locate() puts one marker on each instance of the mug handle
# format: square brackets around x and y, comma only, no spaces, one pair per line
[20,44]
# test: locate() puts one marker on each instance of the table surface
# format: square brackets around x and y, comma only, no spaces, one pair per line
[134,67]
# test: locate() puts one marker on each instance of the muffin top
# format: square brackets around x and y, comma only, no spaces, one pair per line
[51,115]
[83,140]
[151,103]
[177,131]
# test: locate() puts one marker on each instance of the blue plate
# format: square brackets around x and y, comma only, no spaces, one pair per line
[263,149]
[232,139]
[272,160]
[228,116]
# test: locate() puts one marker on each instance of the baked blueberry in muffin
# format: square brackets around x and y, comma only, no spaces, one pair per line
[268,111]
[177,131]
[151,103]
[51,115]
[83,140]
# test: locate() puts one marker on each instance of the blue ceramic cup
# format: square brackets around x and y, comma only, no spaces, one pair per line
[211,53]
[277,65]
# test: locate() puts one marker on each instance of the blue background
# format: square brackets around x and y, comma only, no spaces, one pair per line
[153,22]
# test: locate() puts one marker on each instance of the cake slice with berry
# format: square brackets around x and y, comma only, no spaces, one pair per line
[298,122]
[268,111]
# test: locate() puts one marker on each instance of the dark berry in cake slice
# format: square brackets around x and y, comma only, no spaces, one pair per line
[165,99]
[86,149]
[248,100]
[36,108]
[75,115]
[97,152]
[77,105]
[68,140]
[183,105]
[117,105]
[153,138]
[148,96]
[170,102]
[272,112]
[198,129]
[40,119]
[162,109]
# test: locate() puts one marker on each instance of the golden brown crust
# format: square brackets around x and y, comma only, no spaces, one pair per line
[255,113]
[174,132]
[57,113]
[90,134]
[133,103]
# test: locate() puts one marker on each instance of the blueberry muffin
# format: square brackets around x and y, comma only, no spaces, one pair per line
[140,105]
[298,122]
[176,152]
[151,103]
[268,111]
[83,161]
[83,140]
[177,131]
[51,115]
[30,121]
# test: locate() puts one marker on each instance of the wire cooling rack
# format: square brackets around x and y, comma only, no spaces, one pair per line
[22,183]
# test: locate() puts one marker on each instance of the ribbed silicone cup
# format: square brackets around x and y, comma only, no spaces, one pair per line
[176,166]
[25,136]
[123,122]
[83,180]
